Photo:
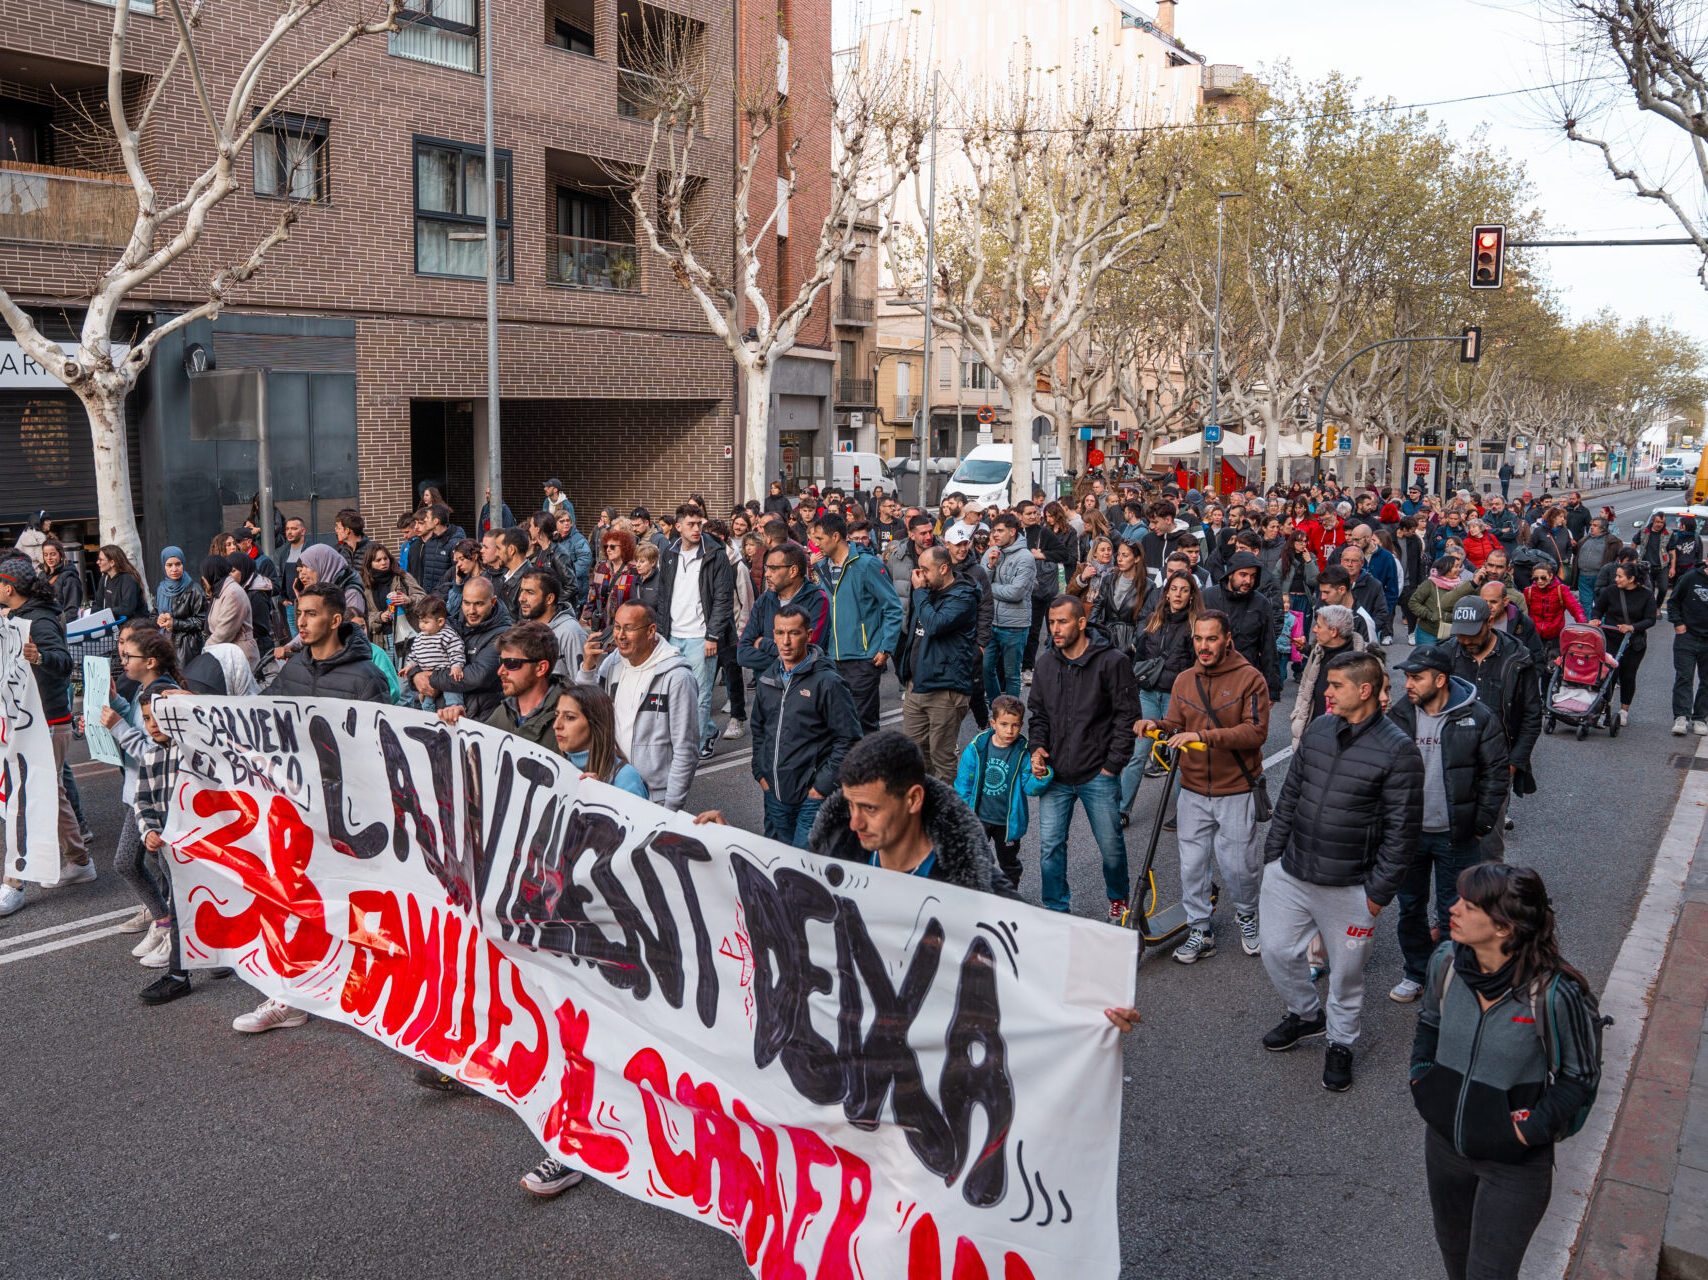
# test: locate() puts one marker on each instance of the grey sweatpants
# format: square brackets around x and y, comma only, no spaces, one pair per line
[1221,830]
[1294,911]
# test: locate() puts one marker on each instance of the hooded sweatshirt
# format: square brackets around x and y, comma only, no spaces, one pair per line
[657,709]
[1011,585]
[1252,614]
[1235,692]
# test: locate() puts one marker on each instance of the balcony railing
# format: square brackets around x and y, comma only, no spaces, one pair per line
[41,204]
[853,310]
[593,264]
[854,391]
[906,407]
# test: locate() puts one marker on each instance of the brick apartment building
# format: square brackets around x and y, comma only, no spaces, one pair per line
[370,319]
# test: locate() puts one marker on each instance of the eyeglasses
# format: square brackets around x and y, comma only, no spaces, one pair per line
[515,664]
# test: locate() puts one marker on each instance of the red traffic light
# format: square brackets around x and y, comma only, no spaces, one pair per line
[1488,256]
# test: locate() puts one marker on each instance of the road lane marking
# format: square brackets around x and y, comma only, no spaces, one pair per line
[746,757]
[67,927]
[61,943]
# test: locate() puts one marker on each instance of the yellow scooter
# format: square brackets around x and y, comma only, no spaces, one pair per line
[1159,926]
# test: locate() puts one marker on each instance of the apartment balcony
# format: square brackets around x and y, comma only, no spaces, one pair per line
[852,309]
[905,408]
[1222,79]
[855,391]
[44,204]
[579,263]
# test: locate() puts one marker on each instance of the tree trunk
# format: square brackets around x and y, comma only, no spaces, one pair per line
[756,386]
[115,505]
[1021,413]
[1397,463]
[1271,450]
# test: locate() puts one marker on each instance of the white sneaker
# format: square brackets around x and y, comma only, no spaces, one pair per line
[734,729]
[270,1015]
[10,899]
[1680,727]
[150,940]
[84,872]
[161,955]
[1405,991]
[1699,728]
[1249,940]
[137,923]
[1624,716]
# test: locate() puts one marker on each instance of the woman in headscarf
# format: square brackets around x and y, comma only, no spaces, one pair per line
[230,620]
[182,605]
[321,563]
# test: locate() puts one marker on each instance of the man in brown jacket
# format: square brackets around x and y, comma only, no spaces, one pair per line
[1223,702]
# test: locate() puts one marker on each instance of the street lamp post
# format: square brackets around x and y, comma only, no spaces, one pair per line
[1205,449]
[494,454]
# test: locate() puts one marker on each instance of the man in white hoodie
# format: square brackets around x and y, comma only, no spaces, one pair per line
[657,702]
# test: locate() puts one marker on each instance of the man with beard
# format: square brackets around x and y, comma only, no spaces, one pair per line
[1251,617]
[537,599]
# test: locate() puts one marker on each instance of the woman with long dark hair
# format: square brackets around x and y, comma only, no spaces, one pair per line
[586,729]
[1118,607]
[386,589]
[67,583]
[1505,1060]
[120,586]
[1627,608]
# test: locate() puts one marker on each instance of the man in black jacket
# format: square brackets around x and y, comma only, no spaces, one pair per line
[336,660]
[1083,703]
[1499,665]
[484,620]
[1340,844]
[940,667]
[28,597]
[804,721]
[1465,779]
[1252,615]
[436,541]
[697,607]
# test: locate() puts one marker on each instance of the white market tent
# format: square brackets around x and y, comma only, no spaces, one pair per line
[1234,445]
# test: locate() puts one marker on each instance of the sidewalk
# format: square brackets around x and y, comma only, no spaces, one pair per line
[1647,1214]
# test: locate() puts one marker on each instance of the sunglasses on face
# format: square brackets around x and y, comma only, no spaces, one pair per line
[514,664]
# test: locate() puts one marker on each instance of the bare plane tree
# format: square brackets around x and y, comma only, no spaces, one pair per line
[876,136]
[168,227]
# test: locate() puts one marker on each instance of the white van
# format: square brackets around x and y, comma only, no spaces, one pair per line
[870,469]
[984,473]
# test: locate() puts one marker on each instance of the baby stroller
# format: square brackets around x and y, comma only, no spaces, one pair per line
[1580,686]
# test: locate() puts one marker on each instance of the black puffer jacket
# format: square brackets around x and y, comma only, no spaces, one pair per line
[349,673]
[1083,710]
[1506,684]
[963,850]
[479,685]
[1473,760]
[53,668]
[1350,809]
[1172,642]
[1253,616]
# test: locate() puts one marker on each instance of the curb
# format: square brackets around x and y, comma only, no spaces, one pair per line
[1614,1180]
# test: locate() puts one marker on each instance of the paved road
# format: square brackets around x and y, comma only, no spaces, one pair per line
[157,1143]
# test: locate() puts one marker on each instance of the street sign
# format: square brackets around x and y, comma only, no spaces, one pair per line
[987,415]
[1085,433]
[1213,433]
[1344,443]
[1251,445]
[856,420]
[1420,466]
[1461,448]
[729,451]
[1094,458]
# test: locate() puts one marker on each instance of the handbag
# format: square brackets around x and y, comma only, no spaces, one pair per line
[1261,805]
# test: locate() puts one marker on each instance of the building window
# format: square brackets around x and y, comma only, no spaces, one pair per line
[946,367]
[442,32]
[846,358]
[291,159]
[136,6]
[975,375]
[566,35]
[450,209]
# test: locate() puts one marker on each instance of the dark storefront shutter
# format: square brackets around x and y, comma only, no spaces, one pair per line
[50,463]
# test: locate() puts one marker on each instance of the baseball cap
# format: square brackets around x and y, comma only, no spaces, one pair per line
[1430,658]
[1469,615]
[553,483]
[957,535]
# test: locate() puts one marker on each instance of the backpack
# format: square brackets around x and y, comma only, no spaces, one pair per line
[1541,1003]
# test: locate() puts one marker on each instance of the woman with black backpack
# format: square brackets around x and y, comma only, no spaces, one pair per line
[1505,1063]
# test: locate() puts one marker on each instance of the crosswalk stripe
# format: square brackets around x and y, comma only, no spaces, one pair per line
[67,927]
[59,944]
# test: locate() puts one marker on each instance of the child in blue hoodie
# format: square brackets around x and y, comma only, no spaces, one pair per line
[995,778]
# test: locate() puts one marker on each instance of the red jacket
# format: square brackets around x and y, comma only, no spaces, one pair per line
[1477,549]
[1549,606]
[1321,541]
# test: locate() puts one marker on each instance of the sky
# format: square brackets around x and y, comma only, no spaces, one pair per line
[1416,52]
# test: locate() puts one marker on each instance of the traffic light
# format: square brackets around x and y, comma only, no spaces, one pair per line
[1331,438]
[1488,256]
[1316,444]
[1471,344]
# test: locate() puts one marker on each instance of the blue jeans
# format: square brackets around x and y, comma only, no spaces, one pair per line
[705,670]
[1425,640]
[1434,850]
[1586,592]
[1101,797]
[1002,661]
[1154,704]
[790,823]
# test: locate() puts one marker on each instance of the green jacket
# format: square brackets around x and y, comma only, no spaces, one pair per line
[538,727]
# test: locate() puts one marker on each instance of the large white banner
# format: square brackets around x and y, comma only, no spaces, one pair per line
[29,787]
[853,1072]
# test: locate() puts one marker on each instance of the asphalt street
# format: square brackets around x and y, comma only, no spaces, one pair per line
[158,1143]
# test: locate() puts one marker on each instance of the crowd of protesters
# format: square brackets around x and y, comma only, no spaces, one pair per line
[1132,629]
